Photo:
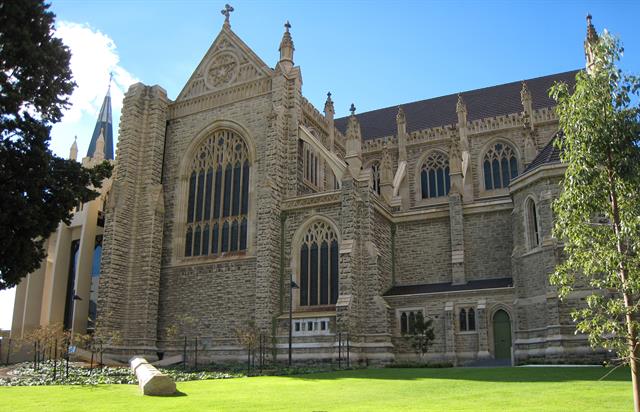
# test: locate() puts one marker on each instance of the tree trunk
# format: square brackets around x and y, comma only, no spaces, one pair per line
[632,335]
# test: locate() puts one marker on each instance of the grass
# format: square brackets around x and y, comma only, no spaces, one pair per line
[455,389]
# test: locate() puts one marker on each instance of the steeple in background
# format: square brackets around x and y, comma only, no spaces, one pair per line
[104,126]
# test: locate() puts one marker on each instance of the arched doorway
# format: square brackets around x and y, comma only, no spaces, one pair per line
[501,335]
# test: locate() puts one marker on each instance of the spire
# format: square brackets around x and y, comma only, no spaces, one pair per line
[286,48]
[104,124]
[226,12]
[73,152]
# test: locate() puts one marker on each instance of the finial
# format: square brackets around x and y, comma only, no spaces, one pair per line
[328,95]
[400,117]
[287,26]
[352,109]
[591,31]
[226,12]
[460,105]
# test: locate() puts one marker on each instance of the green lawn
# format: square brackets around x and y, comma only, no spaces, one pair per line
[456,389]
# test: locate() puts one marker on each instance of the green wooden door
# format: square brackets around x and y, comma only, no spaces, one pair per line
[502,335]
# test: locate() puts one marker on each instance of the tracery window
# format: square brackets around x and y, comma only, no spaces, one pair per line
[319,266]
[467,320]
[375,176]
[434,176]
[500,165]
[531,224]
[218,196]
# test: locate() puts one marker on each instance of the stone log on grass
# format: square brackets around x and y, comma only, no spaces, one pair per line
[151,380]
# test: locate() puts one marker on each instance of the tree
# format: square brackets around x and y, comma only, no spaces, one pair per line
[422,336]
[37,188]
[597,214]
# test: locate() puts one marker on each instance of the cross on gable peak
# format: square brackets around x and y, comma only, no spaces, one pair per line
[226,12]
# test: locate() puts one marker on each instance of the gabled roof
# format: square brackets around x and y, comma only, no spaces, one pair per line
[441,111]
[549,154]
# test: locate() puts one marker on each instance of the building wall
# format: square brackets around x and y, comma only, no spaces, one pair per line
[423,250]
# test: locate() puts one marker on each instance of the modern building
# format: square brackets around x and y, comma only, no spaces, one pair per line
[64,289]
[239,197]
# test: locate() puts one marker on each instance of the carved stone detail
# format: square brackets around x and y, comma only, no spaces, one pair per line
[222,70]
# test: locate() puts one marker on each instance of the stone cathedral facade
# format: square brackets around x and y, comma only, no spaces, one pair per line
[239,197]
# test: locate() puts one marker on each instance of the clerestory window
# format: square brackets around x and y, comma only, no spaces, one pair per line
[500,166]
[434,176]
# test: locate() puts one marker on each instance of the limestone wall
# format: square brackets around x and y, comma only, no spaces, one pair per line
[423,252]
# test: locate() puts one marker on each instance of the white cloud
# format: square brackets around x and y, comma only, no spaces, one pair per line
[93,57]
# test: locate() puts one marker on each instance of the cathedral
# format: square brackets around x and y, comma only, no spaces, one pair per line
[239,204]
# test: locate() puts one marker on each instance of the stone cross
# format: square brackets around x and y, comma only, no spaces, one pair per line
[352,109]
[287,26]
[226,12]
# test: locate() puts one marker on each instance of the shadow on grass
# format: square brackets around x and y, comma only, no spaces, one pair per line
[506,374]
[175,395]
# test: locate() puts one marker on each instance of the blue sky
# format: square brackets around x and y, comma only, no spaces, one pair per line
[372,53]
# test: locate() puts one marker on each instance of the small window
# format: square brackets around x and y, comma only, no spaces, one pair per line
[467,319]
[531,224]
[408,320]
[375,176]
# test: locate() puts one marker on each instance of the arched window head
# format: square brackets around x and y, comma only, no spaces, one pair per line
[319,266]
[531,224]
[499,166]
[218,196]
[434,176]
[375,176]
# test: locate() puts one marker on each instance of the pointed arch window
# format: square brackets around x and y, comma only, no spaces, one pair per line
[218,196]
[434,176]
[319,266]
[499,166]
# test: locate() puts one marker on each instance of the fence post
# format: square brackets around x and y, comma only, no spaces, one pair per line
[339,350]
[55,359]
[196,356]
[348,349]
[184,354]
